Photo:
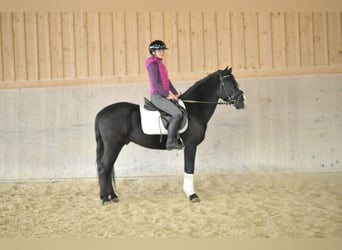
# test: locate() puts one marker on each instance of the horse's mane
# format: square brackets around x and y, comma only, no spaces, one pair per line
[198,84]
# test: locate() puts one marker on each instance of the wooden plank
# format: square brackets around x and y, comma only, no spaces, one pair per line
[306,39]
[157,26]
[238,40]
[7,49]
[106,33]
[184,48]
[132,55]
[171,37]
[94,59]
[210,41]
[44,46]
[251,40]
[278,40]
[292,39]
[31,45]
[144,39]
[68,45]
[224,40]
[81,45]
[119,41]
[320,41]
[334,38]
[265,40]
[197,41]
[19,46]
[56,45]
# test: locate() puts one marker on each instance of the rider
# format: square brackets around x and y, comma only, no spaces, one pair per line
[163,93]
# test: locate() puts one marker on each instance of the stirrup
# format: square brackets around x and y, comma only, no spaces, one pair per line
[174,145]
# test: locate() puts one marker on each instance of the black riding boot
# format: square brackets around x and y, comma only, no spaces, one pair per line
[172,140]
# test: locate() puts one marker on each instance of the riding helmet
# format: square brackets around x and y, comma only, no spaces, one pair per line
[157,44]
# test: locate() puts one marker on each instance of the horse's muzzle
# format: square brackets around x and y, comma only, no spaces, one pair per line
[240,102]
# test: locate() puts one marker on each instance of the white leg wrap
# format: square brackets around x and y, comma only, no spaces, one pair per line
[188,185]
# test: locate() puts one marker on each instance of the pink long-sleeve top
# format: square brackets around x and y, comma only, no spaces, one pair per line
[160,83]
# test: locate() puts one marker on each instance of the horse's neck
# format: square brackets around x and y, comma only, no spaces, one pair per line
[207,110]
[206,93]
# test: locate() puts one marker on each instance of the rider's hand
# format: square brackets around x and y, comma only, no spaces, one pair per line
[172,97]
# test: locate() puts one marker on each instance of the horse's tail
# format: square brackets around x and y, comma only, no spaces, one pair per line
[99,143]
[100,150]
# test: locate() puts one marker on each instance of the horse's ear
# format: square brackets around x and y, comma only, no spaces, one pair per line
[228,70]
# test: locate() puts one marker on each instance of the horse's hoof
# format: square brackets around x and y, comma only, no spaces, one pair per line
[194,198]
[106,202]
[109,200]
[115,200]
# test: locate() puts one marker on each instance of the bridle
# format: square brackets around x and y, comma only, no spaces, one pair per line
[229,100]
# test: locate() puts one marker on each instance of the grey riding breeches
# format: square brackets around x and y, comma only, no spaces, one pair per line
[166,105]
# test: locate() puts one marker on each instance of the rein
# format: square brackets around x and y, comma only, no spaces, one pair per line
[206,102]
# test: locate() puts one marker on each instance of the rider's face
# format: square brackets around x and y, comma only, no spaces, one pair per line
[160,53]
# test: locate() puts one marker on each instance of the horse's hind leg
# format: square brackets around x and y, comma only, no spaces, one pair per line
[105,169]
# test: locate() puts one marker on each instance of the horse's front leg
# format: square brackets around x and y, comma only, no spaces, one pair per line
[189,168]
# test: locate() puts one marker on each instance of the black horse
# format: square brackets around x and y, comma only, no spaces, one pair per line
[118,124]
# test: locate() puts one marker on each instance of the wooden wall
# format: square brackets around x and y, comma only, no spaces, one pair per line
[70,48]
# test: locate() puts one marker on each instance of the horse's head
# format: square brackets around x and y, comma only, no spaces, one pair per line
[229,89]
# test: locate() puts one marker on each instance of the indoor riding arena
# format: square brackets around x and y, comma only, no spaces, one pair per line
[271,170]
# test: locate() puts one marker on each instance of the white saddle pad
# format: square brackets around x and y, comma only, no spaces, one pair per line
[152,124]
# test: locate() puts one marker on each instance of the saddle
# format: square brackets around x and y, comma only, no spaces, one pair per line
[156,121]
